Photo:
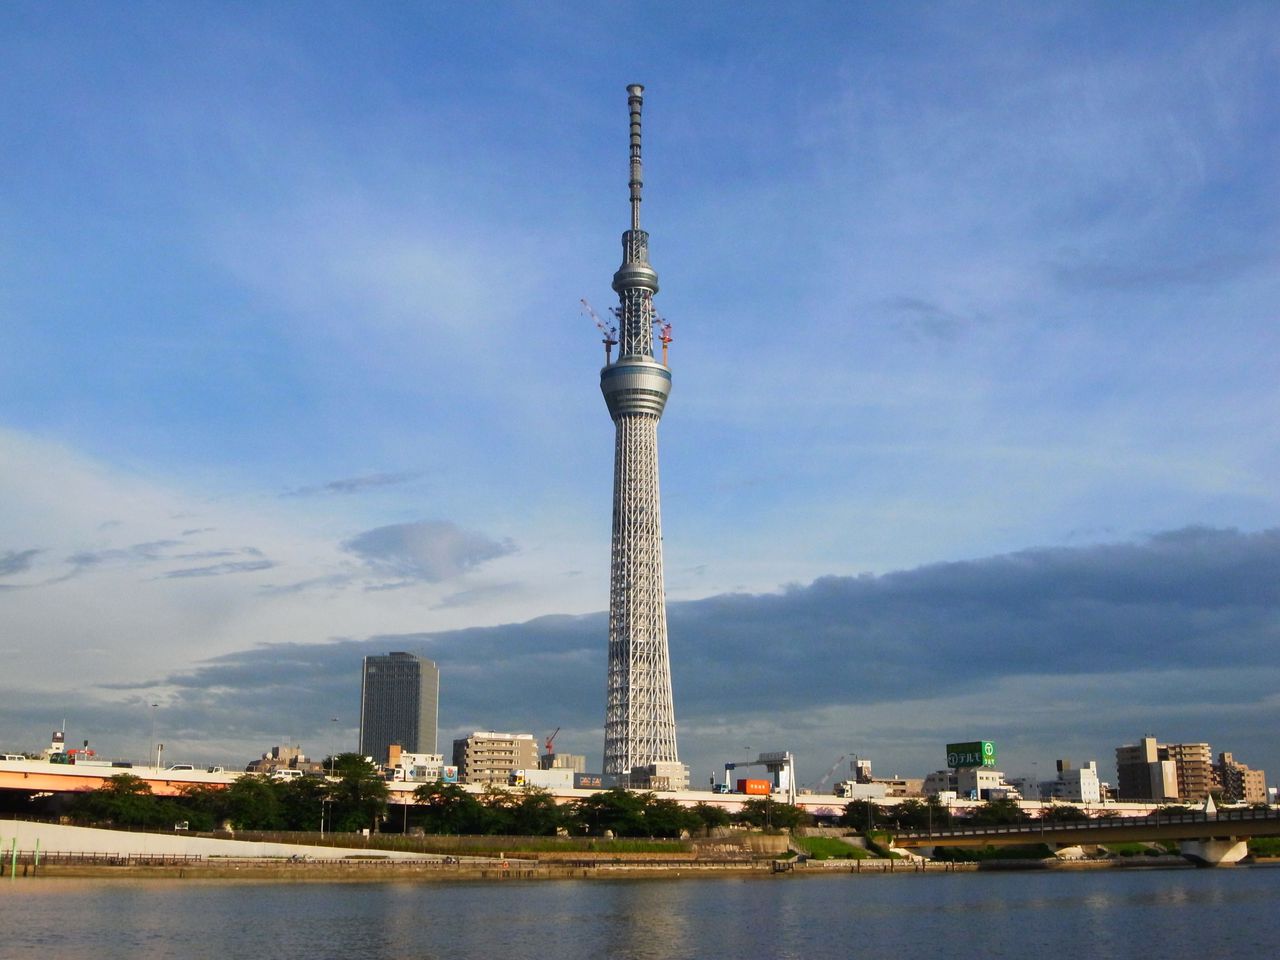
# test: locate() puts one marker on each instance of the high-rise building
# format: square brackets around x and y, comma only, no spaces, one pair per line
[1142,774]
[399,703]
[1194,764]
[1148,770]
[640,722]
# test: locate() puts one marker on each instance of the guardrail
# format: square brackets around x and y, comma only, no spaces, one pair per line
[1031,827]
[62,858]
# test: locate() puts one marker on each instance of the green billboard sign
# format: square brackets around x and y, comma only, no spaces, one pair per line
[976,753]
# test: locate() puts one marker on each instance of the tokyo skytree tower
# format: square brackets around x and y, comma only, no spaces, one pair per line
[640,722]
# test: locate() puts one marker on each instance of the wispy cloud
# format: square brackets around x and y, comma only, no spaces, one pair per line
[220,569]
[428,551]
[924,320]
[17,561]
[139,554]
[352,485]
[477,596]
[331,581]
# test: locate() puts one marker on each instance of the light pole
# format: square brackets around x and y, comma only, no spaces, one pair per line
[332,732]
[151,756]
[324,800]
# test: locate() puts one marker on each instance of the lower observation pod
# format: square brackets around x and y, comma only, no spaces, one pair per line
[635,385]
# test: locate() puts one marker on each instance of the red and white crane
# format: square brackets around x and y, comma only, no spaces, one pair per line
[610,334]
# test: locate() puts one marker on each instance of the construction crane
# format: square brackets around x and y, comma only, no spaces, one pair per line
[664,334]
[610,334]
[549,745]
[822,781]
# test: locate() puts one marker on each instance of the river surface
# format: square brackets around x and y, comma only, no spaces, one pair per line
[1165,914]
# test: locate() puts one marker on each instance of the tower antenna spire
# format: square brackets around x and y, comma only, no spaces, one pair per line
[635,100]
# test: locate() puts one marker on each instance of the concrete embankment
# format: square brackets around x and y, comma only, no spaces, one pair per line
[59,838]
[368,871]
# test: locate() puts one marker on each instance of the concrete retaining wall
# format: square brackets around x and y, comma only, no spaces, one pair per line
[55,838]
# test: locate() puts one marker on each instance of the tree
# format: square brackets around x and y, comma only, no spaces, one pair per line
[863,815]
[448,808]
[999,811]
[617,810]
[536,814]
[498,806]
[913,814]
[768,813]
[359,797]
[127,801]
[252,803]
[202,805]
[664,817]
[1063,813]
[710,816]
[301,802]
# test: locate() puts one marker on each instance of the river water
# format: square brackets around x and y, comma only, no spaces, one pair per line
[1165,914]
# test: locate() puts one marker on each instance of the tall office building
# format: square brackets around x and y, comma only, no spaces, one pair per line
[640,723]
[399,703]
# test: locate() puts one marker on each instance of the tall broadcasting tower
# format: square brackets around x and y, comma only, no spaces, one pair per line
[640,721]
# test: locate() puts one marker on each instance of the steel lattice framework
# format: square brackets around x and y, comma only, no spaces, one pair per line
[640,722]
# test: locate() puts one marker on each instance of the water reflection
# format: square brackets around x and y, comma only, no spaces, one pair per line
[1173,914]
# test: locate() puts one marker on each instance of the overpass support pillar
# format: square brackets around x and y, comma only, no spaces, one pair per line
[1214,851]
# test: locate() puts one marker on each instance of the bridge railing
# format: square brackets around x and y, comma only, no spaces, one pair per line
[1028,827]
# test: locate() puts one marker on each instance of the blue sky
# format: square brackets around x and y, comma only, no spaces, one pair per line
[290,354]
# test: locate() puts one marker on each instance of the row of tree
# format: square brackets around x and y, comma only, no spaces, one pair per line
[356,798]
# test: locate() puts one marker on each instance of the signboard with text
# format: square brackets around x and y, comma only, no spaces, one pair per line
[976,753]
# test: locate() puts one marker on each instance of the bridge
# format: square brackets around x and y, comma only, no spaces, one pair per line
[1207,839]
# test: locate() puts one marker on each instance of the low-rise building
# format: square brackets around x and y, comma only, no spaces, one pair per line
[1074,784]
[284,757]
[550,778]
[563,761]
[666,776]
[857,790]
[974,783]
[414,767]
[899,786]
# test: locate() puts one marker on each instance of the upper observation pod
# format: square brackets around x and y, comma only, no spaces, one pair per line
[636,384]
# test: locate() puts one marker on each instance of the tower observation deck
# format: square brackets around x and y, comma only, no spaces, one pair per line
[640,724]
